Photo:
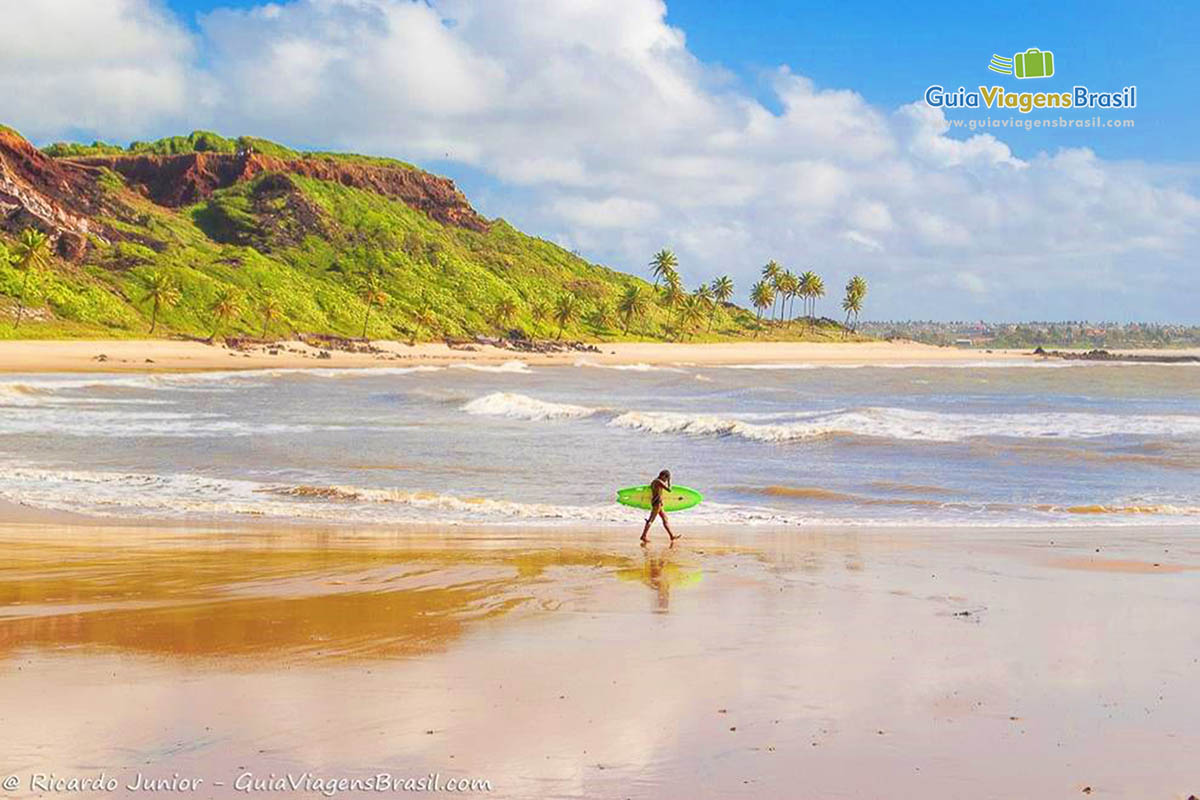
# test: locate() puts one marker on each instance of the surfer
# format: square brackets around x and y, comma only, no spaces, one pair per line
[657,486]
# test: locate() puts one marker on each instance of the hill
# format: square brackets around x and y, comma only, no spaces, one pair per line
[297,236]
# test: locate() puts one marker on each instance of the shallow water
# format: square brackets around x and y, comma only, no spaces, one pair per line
[991,444]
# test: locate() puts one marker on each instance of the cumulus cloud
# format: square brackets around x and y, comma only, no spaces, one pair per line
[115,66]
[606,133]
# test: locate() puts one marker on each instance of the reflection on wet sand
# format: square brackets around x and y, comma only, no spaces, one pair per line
[662,570]
[236,599]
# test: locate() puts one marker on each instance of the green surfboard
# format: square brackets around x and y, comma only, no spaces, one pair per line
[677,499]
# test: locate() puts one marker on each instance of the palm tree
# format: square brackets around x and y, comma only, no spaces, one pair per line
[703,297]
[856,291]
[225,306]
[633,304]
[818,291]
[771,272]
[566,309]
[372,294]
[851,304]
[671,295]
[505,310]
[860,285]
[160,289]
[540,310]
[662,265]
[722,290]
[602,314]
[270,309]
[31,252]
[762,295]
[807,282]
[789,285]
[691,311]
[425,318]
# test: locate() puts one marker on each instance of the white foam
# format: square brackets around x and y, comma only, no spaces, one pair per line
[182,496]
[519,406]
[638,367]
[514,366]
[905,424]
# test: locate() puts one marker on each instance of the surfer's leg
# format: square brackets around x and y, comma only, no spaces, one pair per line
[666,525]
[646,530]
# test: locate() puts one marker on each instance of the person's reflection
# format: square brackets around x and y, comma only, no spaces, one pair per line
[661,571]
[658,579]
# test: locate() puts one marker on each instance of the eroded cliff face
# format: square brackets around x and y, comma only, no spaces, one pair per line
[63,198]
[185,179]
[56,198]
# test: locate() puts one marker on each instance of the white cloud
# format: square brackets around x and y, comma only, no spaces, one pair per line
[611,136]
[107,65]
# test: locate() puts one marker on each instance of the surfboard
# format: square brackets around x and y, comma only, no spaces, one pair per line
[677,499]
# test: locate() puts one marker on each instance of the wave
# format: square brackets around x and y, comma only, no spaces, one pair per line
[906,424]
[86,422]
[871,421]
[820,494]
[208,498]
[519,406]
[514,366]
[38,387]
[638,367]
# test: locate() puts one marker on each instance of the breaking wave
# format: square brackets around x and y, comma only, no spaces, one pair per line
[874,422]
[905,424]
[213,499]
[519,406]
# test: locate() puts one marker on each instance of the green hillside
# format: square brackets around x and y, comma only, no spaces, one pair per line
[299,254]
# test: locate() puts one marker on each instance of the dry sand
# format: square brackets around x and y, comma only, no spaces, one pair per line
[120,355]
[572,663]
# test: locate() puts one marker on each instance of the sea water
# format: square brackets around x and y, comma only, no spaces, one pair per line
[979,444]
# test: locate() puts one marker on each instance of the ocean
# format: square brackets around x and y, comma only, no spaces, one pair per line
[966,444]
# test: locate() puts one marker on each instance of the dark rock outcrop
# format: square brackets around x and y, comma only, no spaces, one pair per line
[1105,355]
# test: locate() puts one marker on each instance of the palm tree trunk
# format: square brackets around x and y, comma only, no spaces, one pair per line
[366,319]
[264,330]
[21,300]
[154,316]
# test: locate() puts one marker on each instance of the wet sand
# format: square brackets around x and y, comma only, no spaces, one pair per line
[573,663]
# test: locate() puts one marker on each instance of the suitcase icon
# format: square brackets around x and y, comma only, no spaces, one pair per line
[1034,63]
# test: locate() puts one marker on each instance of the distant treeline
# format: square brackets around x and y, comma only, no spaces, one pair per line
[1034,334]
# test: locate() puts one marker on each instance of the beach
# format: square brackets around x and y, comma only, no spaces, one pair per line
[915,570]
[148,355]
[573,663]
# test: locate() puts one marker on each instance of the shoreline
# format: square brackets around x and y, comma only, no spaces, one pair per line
[167,355]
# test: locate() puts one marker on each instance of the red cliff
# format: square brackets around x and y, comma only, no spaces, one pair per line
[185,179]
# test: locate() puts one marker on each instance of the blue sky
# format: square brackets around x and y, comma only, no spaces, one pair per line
[890,53]
[733,133]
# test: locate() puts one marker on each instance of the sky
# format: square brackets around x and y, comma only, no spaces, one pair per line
[732,133]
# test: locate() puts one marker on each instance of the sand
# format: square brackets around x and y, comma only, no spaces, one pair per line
[573,663]
[120,355]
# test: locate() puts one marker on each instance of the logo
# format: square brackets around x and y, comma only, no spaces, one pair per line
[1033,63]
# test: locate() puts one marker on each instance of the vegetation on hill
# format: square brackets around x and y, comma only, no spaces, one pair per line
[282,253]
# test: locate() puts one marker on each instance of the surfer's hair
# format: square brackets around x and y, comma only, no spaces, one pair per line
[666,473]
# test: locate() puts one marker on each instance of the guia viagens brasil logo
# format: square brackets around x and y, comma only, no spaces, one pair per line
[1031,63]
